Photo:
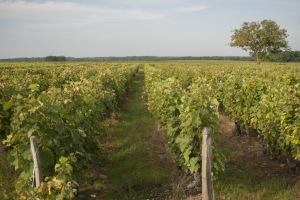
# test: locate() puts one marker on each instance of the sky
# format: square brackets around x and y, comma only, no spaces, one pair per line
[90,28]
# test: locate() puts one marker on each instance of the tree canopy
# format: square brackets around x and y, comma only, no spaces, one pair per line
[260,39]
[56,58]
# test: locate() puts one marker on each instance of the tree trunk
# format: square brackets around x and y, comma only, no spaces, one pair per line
[257,59]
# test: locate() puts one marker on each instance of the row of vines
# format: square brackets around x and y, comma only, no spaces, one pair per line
[183,110]
[64,106]
[184,96]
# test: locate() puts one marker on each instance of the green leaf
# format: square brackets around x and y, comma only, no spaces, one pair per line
[34,87]
[47,156]
[26,154]
[60,129]
[24,149]
[61,195]
[188,122]
[215,101]
[69,194]
[27,173]
[194,164]
[55,117]
[8,105]
[32,130]
[205,111]
[196,119]
[186,154]
[19,96]
[13,159]
[63,160]
[68,169]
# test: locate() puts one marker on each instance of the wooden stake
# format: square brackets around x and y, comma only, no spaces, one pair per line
[206,163]
[37,167]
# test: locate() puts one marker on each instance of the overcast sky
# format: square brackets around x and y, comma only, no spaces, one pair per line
[90,28]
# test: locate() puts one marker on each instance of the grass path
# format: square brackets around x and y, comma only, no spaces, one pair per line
[132,171]
[136,164]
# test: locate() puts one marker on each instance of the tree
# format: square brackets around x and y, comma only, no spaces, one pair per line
[61,59]
[56,59]
[260,39]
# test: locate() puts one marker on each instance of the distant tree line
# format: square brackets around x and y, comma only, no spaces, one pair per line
[285,56]
[156,58]
[127,58]
[36,59]
[56,59]
[33,59]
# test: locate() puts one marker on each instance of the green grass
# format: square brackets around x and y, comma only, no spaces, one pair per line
[131,170]
[8,175]
[245,184]
[240,181]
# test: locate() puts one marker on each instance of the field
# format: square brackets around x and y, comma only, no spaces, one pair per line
[133,130]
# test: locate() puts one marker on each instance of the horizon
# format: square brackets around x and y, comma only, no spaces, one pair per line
[120,57]
[115,28]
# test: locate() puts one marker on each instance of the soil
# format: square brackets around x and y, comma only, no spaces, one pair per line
[250,151]
[3,147]
[245,149]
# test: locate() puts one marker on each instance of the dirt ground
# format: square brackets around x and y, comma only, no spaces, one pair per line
[250,151]
[245,149]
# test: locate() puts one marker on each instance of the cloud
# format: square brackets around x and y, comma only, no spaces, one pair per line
[68,13]
[193,9]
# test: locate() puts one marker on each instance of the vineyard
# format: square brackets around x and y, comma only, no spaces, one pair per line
[65,105]
[185,98]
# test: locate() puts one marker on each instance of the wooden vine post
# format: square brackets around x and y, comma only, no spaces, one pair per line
[206,163]
[37,167]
